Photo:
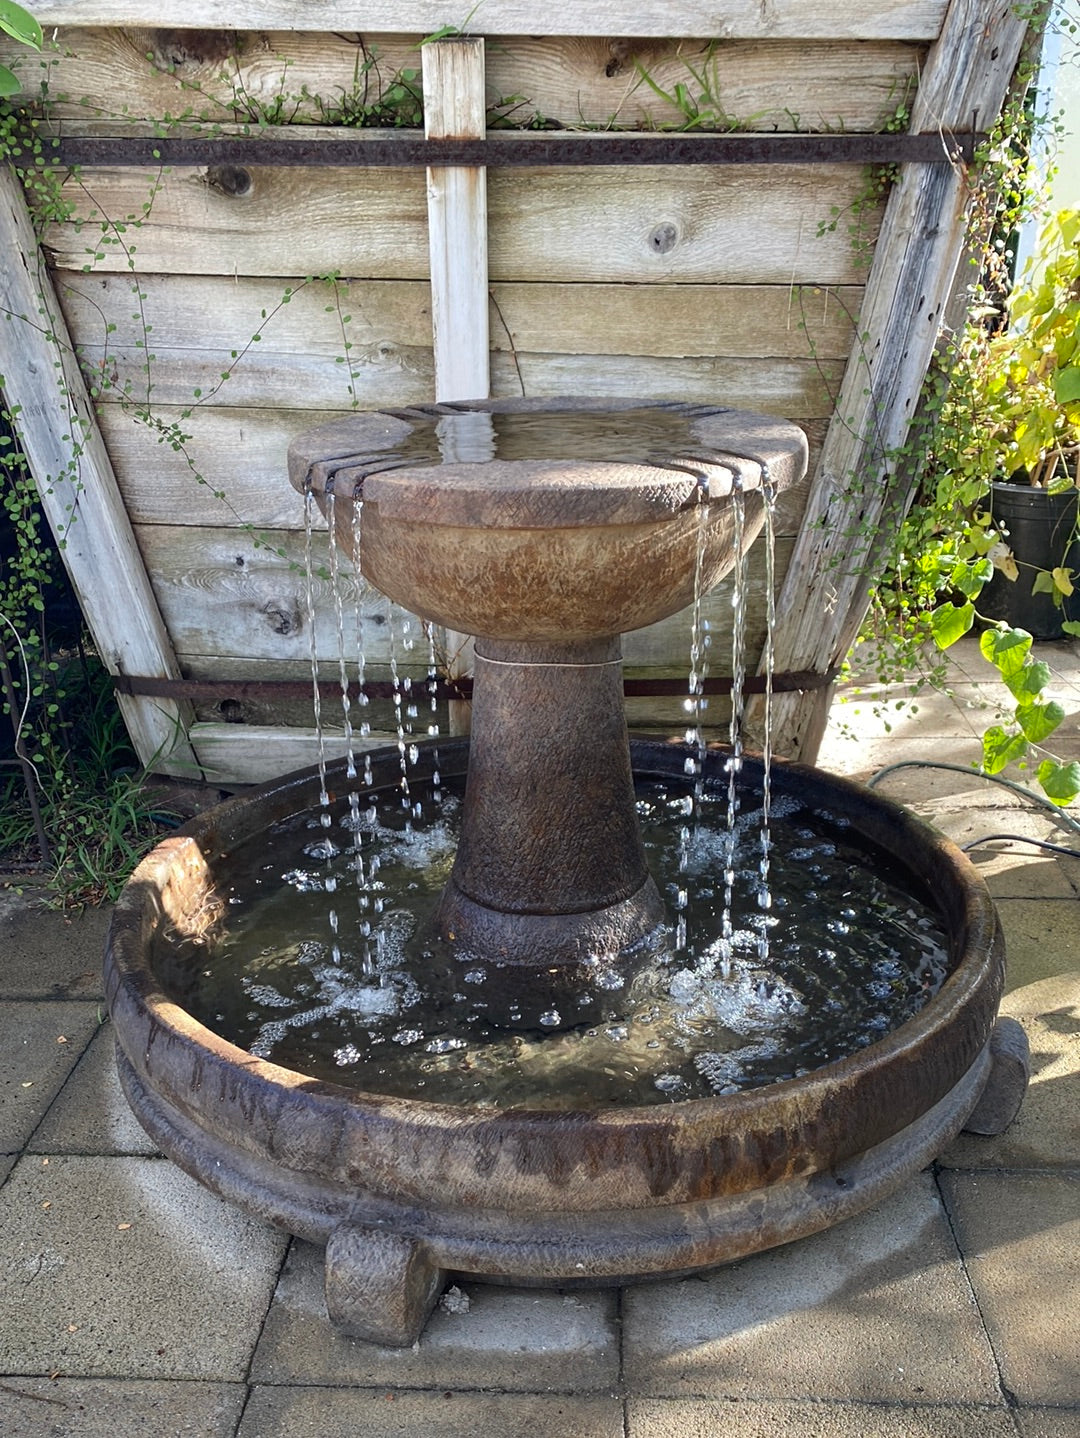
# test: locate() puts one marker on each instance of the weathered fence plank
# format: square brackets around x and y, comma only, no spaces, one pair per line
[854,507]
[743,224]
[565,80]
[68,459]
[738,19]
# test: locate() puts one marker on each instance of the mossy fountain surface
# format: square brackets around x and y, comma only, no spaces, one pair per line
[547,550]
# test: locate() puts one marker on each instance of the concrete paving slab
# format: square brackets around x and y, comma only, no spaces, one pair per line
[90,1114]
[877,1309]
[50,953]
[680,1418]
[40,1044]
[1048,1422]
[367,1413]
[1042,939]
[1046,1132]
[1010,869]
[7,1163]
[113,1408]
[1020,1236]
[863,757]
[125,1267]
[507,1338]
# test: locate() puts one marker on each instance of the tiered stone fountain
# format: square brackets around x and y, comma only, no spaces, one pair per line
[547,558]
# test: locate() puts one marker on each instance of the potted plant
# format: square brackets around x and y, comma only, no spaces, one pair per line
[1027,397]
[991,538]
[1007,452]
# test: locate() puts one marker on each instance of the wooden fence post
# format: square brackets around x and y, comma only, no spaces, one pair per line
[454,108]
[856,487]
[59,435]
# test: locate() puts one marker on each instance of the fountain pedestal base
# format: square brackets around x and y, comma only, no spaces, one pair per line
[550,878]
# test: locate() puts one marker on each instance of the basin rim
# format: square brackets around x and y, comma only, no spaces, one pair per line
[734,1142]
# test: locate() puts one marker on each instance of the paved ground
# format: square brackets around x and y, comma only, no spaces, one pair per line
[133,1303]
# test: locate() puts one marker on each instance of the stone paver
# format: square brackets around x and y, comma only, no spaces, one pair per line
[115,1408]
[1048,1422]
[678,1418]
[1020,1234]
[125,1267]
[876,1309]
[366,1413]
[91,1114]
[1046,1132]
[507,1338]
[1042,938]
[48,953]
[40,1043]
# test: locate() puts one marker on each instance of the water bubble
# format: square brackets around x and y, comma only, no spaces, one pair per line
[550,1019]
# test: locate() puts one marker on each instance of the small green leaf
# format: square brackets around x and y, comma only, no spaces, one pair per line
[970,578]
[950,622]
[9,83]
[20,24]
[1027,682]
[1006,649]
[1001,748]
[1060,782]
[1067,384]
[1071,626]
[1043,583]
[1039,720]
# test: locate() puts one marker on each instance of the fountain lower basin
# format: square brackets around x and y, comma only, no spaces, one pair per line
[406,1193]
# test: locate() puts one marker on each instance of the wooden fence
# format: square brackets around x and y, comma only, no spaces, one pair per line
[215,311]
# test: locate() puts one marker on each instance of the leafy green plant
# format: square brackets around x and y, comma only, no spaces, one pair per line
[1002,399]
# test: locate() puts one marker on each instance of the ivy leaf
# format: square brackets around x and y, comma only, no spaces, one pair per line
[970,578]
[1027,682]
[1001,748]
[950,622]
[1043,583]
[1067,384]
[1062,580]
[1006,649]
[1060,782]
[1071,626]
[1039,720]
[20,24]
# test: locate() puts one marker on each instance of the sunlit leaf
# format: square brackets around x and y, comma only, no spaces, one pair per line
[1060,782]
[1067,384]
[1039,720]
[950,622]
[1006,649]
[1062,580]
[1001,748]
[20,24]
[1029,681]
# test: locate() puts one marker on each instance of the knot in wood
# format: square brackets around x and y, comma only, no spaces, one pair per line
[664,238]
[230,180]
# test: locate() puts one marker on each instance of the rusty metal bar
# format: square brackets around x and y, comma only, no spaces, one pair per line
[408,149]
[270,689]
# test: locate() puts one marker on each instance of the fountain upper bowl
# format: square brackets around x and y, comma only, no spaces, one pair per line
[547,521]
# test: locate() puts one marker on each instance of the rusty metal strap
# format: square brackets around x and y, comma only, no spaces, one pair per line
[405,149]
[271,689]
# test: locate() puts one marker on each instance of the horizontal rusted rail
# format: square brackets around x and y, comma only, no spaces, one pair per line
[400,149]
[271,689]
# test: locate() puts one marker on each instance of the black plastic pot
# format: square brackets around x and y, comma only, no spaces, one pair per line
[1041,530]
